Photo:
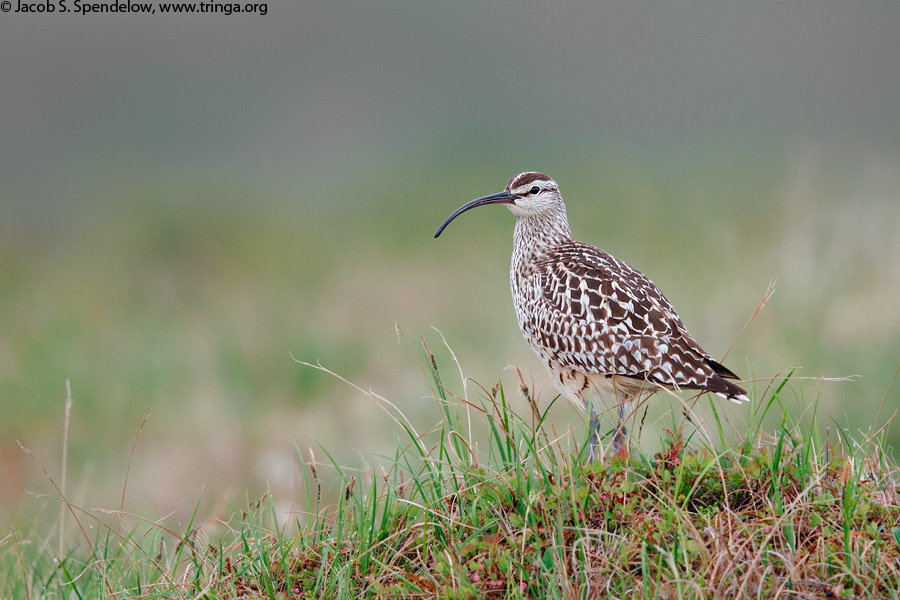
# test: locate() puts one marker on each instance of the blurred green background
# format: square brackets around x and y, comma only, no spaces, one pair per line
[186,202]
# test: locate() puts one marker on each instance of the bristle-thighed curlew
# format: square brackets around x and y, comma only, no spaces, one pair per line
[598,324]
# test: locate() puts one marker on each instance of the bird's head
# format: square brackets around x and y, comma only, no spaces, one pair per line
[528,194]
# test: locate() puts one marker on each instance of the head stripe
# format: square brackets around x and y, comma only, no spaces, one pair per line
[526,178]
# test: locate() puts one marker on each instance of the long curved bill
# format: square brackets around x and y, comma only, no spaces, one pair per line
[504,197]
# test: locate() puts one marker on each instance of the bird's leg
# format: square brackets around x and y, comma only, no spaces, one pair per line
[620,435]
[593,434]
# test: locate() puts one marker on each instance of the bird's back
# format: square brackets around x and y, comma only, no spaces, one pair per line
[585,311]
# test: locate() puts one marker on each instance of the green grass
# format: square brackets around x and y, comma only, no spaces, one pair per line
[493,503]
[184,302]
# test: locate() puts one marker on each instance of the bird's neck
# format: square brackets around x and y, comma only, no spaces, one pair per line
[536,236]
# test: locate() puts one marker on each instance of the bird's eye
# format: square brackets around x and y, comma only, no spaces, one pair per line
[535,190]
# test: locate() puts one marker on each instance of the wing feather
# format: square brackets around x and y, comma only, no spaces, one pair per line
[596,314]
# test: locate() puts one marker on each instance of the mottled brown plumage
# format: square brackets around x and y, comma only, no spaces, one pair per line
[596,323]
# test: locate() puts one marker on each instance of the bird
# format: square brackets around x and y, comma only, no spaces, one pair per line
[600,326]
